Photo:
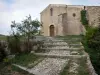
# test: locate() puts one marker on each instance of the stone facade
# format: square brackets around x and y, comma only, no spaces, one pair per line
[93,14]
[66,19]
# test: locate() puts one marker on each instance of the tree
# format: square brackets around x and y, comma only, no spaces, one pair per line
[27,28]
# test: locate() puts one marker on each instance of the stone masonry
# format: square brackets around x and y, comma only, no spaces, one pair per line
[66,19]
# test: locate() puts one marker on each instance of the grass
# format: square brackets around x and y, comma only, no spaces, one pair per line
[2,37]
[11,70]
[70,39]
[82,69]
[26,59]
[95,59]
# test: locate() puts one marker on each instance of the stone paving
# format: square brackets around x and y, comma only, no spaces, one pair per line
[49,66]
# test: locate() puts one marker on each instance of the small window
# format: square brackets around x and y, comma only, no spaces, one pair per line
[51,11]
[84,7]
[74,14]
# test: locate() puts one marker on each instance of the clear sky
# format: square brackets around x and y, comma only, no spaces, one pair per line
[11,10]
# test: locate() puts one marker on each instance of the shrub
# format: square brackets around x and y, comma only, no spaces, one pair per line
[92,37]
[91,43]
[90,32]
[14,44]
[2,52]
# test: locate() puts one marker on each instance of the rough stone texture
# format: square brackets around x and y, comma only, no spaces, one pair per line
[62,19]
[73,68]
[49,66]
[93,15]
[72,24]
[48,20]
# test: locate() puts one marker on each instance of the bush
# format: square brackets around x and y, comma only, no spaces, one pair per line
[17,45]
[14,44]
[91,43]
[2,52]
[92,37]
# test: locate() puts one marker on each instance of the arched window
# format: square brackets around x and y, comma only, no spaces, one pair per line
[51,11]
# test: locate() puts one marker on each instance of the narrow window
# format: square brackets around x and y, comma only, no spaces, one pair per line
[74,14]
[84,7]
[51,11]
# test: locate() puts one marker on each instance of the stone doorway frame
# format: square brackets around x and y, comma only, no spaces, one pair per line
[52,30]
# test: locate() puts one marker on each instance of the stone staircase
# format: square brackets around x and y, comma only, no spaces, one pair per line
[56,47]
[58,53]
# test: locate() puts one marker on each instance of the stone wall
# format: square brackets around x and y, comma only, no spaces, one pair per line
[48,20]
[73,20]
[60,27]
[64,23]
[67,19]
[93,15]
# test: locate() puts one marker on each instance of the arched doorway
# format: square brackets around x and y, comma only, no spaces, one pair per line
[52,29]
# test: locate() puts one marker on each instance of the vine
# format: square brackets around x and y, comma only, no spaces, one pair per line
[83,18]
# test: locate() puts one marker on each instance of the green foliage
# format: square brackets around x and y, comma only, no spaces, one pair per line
[83,18]
[25,59]
[91,42]
[14,44]
[90,32]
[2,52]
[2,37]
[26,28]
[82,69]
[12,70]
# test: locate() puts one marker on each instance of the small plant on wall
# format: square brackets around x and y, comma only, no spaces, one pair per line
[84,18]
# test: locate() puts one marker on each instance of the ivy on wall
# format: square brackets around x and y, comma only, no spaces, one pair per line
[83,18]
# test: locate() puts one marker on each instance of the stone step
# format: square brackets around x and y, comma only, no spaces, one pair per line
[69,39]
[61,44]
[56,47]
[63,49]
[64,52]
[55,42]
[59,56]
[63,41]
